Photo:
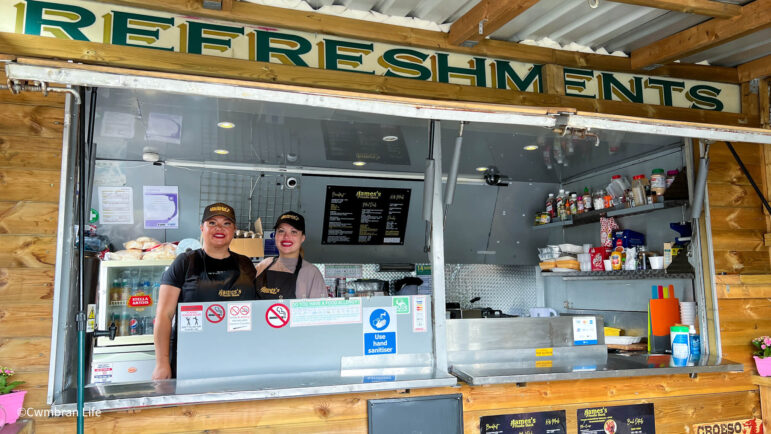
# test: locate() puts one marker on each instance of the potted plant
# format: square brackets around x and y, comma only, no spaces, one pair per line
[10,400]
[762,355]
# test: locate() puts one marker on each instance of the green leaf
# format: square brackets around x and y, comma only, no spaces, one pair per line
[9,387]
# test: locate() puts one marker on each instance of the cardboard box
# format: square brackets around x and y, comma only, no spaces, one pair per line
[251,247]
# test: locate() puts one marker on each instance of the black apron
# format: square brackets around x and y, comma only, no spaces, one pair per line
[277,284]
[233,285]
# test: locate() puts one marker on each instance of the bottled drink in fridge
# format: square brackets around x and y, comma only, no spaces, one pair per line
[122,324]
[135,324]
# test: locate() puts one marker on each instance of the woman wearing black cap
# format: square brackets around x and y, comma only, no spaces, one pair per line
[289,275]
[211,273]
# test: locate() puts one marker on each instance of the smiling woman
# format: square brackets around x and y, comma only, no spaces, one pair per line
[289,275]
[212,273]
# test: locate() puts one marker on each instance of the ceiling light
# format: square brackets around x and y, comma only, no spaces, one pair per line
[530,147]
[221,151]
[359,163]
[481,169]
[226,124]
[390,138]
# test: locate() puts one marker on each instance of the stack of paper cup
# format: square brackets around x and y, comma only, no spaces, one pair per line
[584,261]
[688,312]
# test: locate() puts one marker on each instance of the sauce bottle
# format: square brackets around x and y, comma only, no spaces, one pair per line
[658,182]
[617,258]
[550,206]
[587,199]
[573,204]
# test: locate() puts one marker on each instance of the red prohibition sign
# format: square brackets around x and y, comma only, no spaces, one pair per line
[215,313]
[277,316]
[244,310]
[234,310]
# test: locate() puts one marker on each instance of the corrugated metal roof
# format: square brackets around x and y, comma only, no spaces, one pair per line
[573,23]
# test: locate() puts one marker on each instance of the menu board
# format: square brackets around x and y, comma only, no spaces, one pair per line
[549,422]
[621,419]
[365,215]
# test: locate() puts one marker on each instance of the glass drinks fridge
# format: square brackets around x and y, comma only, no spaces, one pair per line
[127,296]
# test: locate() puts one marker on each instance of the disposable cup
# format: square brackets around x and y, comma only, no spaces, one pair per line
[608,266]
[657,262]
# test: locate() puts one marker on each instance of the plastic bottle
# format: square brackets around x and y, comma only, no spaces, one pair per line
[580,205]
[658,182]
[599,199]
[617,188]
[587,199]
[617,259]
[573,204]
[638,190]
[561,205]
[550,206]
[695,342]
[156,291]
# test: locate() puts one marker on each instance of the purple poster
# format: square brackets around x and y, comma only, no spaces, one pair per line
[161,207]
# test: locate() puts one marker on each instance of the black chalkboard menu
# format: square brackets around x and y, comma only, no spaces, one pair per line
[365,215]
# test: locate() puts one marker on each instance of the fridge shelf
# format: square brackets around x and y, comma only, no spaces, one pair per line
[618,275]
[594,216]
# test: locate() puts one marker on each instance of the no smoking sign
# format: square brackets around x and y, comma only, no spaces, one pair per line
[277,315]
[215,313]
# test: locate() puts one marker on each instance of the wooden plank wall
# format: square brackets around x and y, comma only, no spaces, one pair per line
[737,218]
[30,141]
[30,159]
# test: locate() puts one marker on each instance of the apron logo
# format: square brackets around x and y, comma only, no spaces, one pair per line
[271,291]
[229,293]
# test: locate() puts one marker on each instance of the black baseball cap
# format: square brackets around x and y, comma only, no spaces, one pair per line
[292,219]
[216,209]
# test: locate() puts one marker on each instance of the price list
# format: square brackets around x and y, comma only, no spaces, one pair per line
[365,215]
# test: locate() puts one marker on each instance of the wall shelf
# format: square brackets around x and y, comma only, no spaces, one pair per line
[618,275]
[594,216]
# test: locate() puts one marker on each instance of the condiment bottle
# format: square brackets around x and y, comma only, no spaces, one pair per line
[550,206]
[638,190]
[580,205]
[658,182]
[599,199]
[617,258]
[560,201]
[587,199]
[573,204]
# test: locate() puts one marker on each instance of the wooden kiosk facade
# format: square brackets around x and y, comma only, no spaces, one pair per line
[31,128]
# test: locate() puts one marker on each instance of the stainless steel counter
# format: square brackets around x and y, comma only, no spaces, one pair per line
[520,350]
[616,365]
[106,397]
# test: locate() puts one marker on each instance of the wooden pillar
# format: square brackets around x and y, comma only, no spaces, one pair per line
[553,80]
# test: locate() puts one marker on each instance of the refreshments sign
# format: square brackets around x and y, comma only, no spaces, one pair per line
[118,25]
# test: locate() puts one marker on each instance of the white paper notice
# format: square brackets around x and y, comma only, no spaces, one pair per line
[419,316]
[327,311]
[117,124]
[161,206]
[116,206]
[239,317]
[191,318]
[163,127]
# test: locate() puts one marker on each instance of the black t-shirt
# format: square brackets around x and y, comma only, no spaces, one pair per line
[177,272]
